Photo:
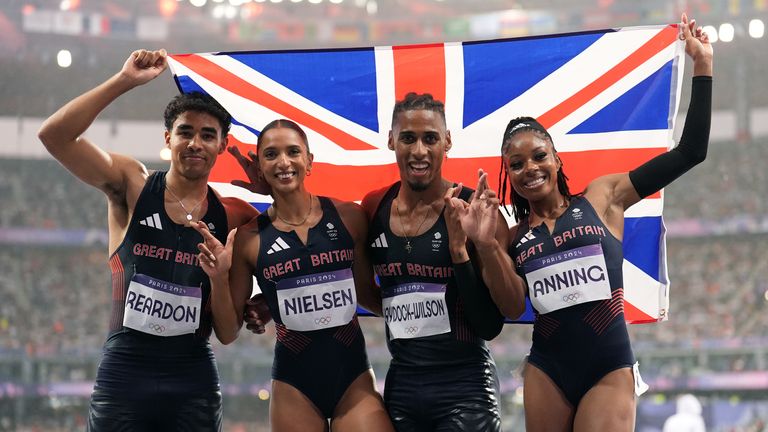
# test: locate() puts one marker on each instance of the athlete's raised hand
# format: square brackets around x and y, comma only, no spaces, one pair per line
[250,166]
[143,66]
[455,210]
[215,258]
[481,216]
[697,46]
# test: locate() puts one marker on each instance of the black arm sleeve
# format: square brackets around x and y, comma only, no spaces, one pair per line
[692,149]
[479,309]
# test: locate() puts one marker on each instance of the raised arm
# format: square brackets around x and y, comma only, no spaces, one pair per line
[484,225]
[61,132]
[614,193]
[481,311]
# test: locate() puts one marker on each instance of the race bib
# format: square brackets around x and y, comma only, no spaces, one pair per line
[317,301]
[568,278]
[161,308]
[415,310]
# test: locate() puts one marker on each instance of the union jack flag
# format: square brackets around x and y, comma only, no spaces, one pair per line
[609,99]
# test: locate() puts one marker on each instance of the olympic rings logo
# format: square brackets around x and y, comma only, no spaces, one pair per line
[570,298]
[323,320]
[411,329]
[156,327]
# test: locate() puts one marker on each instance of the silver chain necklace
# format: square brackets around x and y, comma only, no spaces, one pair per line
[188,212]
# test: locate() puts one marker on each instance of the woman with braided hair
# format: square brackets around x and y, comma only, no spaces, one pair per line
[580,368]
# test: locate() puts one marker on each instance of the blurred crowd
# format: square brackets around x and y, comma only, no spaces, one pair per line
[729,184]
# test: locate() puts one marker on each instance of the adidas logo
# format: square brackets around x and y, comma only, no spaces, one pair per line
[152,221]
[277,246]
[528,236]
[380,242]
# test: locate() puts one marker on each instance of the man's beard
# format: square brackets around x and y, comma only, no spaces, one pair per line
[417,187]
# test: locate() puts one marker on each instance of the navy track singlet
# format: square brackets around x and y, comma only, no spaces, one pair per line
[319,350]
[428,265]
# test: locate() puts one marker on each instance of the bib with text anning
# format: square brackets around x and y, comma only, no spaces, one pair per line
[567,278]
[161,308]
[317,301]
[415,310]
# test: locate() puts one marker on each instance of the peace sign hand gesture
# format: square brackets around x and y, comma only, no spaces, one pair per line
[215,258]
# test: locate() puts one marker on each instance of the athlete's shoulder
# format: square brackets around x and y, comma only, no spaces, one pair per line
[353,216]
[347,208]
[513,233]
[238,211]
[372,200]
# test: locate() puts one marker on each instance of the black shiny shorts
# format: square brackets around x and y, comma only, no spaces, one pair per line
[158,394]
[456,398]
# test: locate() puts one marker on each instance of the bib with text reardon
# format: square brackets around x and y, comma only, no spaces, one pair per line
[415,310]
[161,308]
[567,278]
[317,301]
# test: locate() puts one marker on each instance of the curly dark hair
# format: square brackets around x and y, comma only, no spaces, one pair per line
[198,102]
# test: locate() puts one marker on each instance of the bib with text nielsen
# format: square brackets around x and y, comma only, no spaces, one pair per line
[415,310]
[161,308]
[567,278]
[317,301]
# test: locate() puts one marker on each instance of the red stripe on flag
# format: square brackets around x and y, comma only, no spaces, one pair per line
[633,315]
[351,183]
[233,83]
[420,69]
[660,41]
[227,168]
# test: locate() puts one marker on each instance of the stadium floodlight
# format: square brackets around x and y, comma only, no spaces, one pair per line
[198,3]
[756,28]
[296,1]
[336,1]
[315,1]
[372,7]
[725,32]
[68,5]
[711,31]
[64,58]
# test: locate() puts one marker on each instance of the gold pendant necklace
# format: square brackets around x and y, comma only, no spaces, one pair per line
[408,247]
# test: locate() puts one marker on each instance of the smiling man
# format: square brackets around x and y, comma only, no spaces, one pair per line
[437,308]
[158,371]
